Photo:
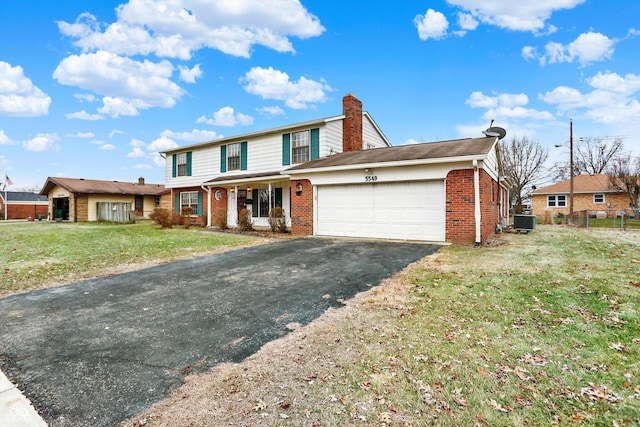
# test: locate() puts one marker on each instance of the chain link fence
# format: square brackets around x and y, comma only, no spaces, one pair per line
[622,220]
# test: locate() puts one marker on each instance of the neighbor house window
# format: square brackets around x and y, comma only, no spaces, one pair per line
[158,201]
[598,198]
[190,199]
[300,146]
[233,156]
[556,201]
[182,164]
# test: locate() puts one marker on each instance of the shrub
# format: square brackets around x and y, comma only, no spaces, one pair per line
[162,217]
[220,219]
[244,220]
[548,217]
[277,220]
[185,217]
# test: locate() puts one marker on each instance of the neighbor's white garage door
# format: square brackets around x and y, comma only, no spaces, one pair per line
[398,210]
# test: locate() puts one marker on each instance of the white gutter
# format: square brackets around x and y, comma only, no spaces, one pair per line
[208,190]
[476,189]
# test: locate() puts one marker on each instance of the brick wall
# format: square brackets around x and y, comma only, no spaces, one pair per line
[460,207]
[618,201]
[302,207]
[352,123]
[81,208]
[199,220]
[218,207]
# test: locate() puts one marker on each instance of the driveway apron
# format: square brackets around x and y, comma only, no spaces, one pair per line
[99,351]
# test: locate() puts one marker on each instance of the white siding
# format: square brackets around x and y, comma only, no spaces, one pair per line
[490,164]
[371,135]
[331,138]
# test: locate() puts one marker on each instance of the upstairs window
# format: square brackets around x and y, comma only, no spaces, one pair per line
[300,146]
[233,156]
[182,164]
[557,201]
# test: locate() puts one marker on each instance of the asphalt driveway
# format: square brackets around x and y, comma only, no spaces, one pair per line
[97,352]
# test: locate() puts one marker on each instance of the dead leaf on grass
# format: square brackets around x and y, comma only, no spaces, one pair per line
[599,392]
[385,417]
[260,406]
[498,407]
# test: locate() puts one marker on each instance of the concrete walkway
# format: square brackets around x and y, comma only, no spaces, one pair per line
[15,409]
[100,351]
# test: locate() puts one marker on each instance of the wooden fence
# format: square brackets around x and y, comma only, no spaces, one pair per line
[119,212]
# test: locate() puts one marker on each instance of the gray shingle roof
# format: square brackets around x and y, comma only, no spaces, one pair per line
[469,147]
[91,186]
[23,196]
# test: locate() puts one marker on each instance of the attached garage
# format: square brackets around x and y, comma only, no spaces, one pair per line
[408,210]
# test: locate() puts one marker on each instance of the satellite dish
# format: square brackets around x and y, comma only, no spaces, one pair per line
[495,131]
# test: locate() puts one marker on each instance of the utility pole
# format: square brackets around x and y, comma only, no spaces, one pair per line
[570,170]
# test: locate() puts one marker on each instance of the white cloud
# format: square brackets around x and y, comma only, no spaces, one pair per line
[82,135]
[107,147]
[431,25]
[505,106]
[115,132]
[83,115]
[274,84]
[18,95]
[86,97]
[128,85]
[195,135]
[143,166]
[136,152]
[190,75]
[587,48]
[614,99]
[227,117]
[41,142]
[467,22]
[177,28]
[271,111]
[161,144]
[4,139]
[137,143]
[514,15]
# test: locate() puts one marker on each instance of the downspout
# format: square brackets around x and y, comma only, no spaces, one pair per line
[208,190]
[476,189]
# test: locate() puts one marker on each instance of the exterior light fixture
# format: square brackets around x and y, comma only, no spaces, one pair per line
[298,189]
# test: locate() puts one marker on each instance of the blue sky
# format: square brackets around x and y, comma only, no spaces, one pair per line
[96,89]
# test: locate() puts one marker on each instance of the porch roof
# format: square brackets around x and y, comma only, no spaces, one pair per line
[252,177]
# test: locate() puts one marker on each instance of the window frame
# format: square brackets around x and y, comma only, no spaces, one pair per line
[182,164]
[233,156]
[601,197]
[556,201]
[299,145]
[194,206]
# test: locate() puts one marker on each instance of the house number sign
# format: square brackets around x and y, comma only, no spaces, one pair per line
[370,178]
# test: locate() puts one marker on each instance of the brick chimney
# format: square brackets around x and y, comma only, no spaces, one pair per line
[141,181]
[352,123]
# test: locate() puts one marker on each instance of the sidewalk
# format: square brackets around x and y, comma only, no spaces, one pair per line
[15,409]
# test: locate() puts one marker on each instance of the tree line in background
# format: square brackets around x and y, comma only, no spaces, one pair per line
[523,161]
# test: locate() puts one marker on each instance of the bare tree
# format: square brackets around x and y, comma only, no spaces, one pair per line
[522,161]
[624,175]
[590,156]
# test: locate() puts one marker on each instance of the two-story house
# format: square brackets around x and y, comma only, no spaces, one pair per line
[248,171]
[339,176]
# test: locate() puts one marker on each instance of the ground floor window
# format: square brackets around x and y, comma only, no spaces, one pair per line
[261,199]
[190,199]
[598,199]
[556,201]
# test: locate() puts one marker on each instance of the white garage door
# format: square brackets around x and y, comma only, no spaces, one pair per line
[398,210]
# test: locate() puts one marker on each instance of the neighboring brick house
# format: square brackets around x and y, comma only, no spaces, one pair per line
[339,176]
[79,200]
[22,205]
[590,192]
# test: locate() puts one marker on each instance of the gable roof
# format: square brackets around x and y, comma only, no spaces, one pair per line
[432,152]
[279,129]
[598,183]
[23,196]
[91,186]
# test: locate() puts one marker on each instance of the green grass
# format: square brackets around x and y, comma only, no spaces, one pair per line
[542,331]
[40,254]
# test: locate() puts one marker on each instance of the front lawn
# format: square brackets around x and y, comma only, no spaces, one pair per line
[539,329]
[42,254]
